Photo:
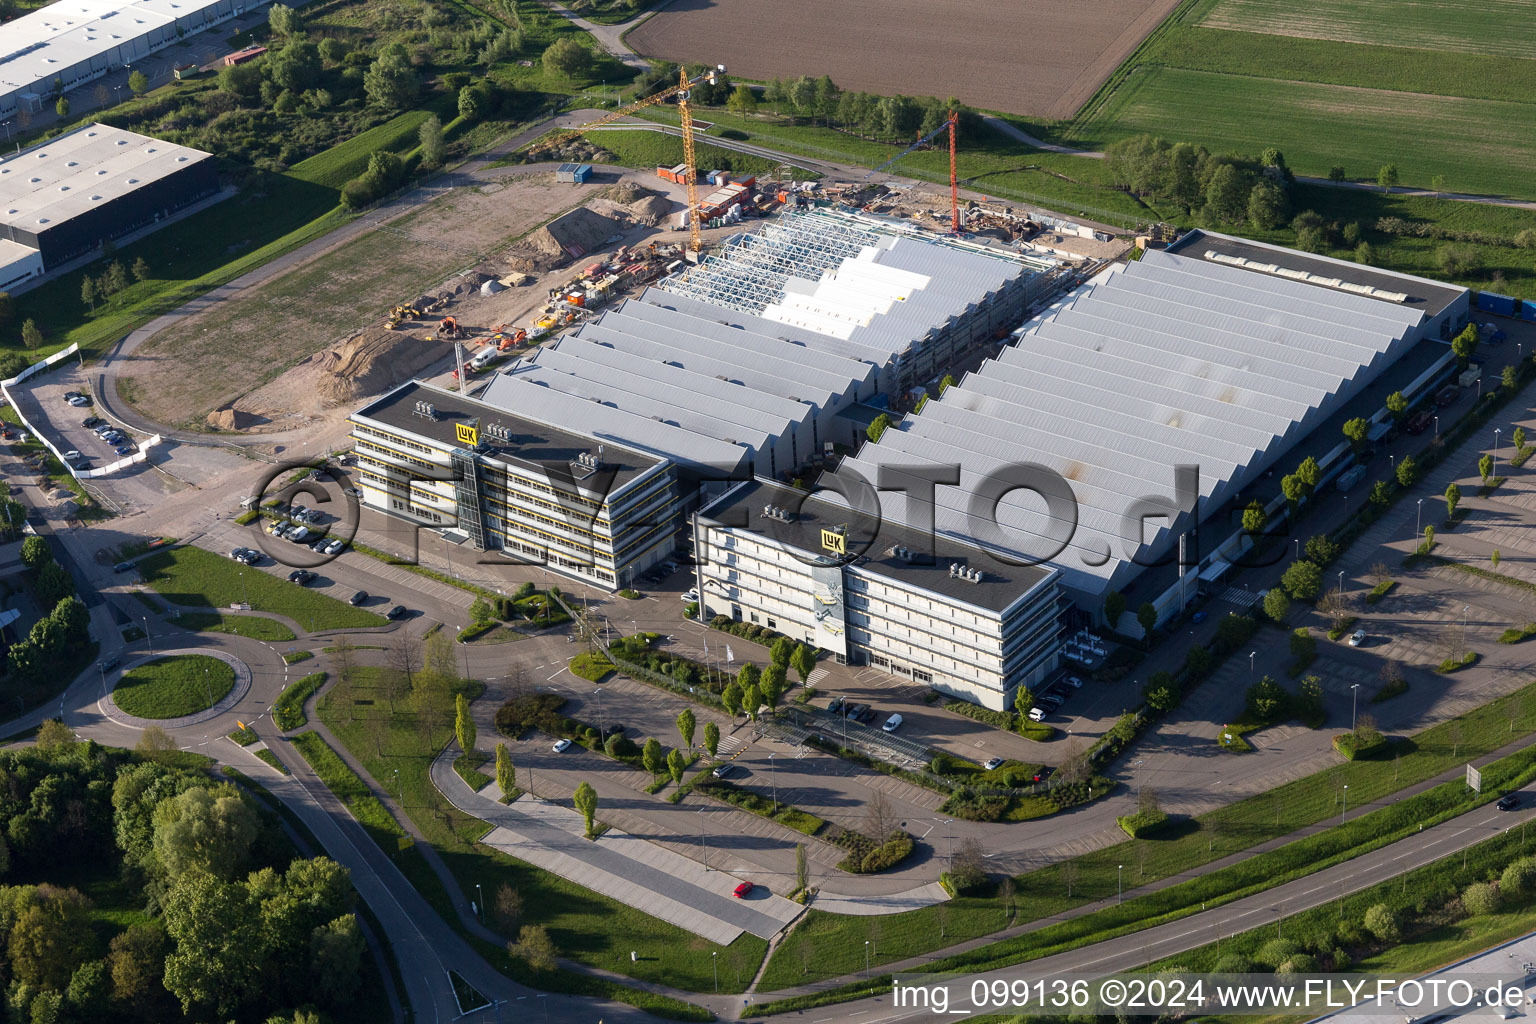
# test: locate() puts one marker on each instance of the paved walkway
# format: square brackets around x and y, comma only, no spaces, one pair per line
[638,873]
[871,906]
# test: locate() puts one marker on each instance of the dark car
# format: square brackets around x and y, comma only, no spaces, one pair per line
[615,729]
[302,577]
[91,421]
[855,711]
[1508,803]
[123,567]
[358,598]
[1420,422]
[836,707]
[397,612]
[1446,395]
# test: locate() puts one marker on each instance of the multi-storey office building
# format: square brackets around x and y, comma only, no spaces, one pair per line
[878,594]
[593,509]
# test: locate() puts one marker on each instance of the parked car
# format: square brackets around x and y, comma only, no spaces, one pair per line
[1199,617]
[335,546]
[615,729]
[1357,638]
[90,421]
[1077,683]
[358,598]
[124,449]
[992,764]
[836,706]
[71,394]
[893,723]
[561,746]
[302,577]
[298,533]
[1446,395]
[744,890]
[855,711]
[669,567]
[237,554]
[397,612]
[123,567]
[1036,714]
[71,455]
[79,400]
[724,771]
[690,596]
[1508,802]
[1420,422]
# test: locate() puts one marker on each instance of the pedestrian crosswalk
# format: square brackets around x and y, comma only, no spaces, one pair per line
[1240,596]
[729,745]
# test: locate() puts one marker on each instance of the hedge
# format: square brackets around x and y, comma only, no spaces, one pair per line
[1143,823]
[865,858]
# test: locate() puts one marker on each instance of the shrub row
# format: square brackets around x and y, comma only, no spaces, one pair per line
[865,857]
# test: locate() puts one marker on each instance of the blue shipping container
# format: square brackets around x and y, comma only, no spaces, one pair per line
[1528,310]
[1489,302]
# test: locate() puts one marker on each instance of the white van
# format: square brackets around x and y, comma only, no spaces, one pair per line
[892,724]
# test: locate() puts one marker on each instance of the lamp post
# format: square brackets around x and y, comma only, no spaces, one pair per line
[1418,519]
[1341,583]
[1437,426]
[1497,431]
[704,841]
[1354,705]
[866,958]
[1119,868]
[600,725]
[1345,811]
[149,641]
[1297,541]
[1250,663]
[773,781]
[714,959]
[480,902]
[1464,609]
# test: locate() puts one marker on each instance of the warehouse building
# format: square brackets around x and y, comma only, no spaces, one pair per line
[871,594]
[63,198]
[593,509]
[68,43]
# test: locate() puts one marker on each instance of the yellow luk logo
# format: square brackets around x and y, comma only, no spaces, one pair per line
[834,541]
[467,433]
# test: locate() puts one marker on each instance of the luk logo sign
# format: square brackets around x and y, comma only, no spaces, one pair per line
[468,433]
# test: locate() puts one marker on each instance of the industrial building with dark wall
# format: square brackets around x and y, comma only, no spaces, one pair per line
[63,198]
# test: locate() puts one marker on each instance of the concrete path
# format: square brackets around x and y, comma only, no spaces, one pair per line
[871,906]
[638,873]
[609,37]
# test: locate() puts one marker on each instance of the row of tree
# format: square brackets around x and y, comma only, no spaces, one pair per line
[55,639]
[113,279]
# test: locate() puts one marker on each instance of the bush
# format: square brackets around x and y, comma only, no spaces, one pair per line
[1381,921]
[1518,881]
[530,710]
[1142,824]
[1276,952]
[878,858]
[1480,899]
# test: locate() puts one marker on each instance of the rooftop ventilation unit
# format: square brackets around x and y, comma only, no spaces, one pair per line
[426,410]
[498,432]
[587,463]
[776,512]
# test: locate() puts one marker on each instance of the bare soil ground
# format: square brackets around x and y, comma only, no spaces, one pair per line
[309,319]
[1032,57]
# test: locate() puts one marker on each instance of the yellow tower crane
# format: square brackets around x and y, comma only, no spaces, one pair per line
[681,91]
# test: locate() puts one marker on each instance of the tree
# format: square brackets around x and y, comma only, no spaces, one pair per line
[506,908]
[7,313]
[216,957]
[204,830]
[1494,558]
[676,763]
[877,428]
[1381,493]
[473,103]
[751,700]
[1161,692]
[1459,261]
[743,101]
[1464,344]
[1518,881]
[1309,697]
[1267,205]
[1518,437]
[1255,518]
[1355,431]
[54,735]
[1397,405]
[652,757]
[731,697]
[35,553]
[284,20]
[968,866]
[61,107]
[1365,254]
[686,723]
[1293,489]
[534,947]
[31,334]
[1386,177]
[1485,467]
[114,280]
[1509,378]
[1303,644]
[771,687]
[1276,605]
[1265,700]
[1452,498]
[1302,580]
[140,269]
[1023,700]
[1146,616]
[1114,607]
[803,661]
[335,954]
[1321,549]
[1407,471]
[1336,173]
[433,148]
[137,960]
[711,738]
[1309,473]
[464,724]
[88,292]
[802,869]
[586,802]
[155,744]
[506,773]
[50,937]
[780,651]
[1226,196]
[390,82]
[566,58]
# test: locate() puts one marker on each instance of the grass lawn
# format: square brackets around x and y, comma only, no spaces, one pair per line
[195,578]
[840,948]
[585,926]
[288,709]
[253,626]
[350,789]
[1472,26]
[172,687]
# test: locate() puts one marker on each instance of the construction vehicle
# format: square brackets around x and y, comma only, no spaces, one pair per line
[511,341]
[951,125]
[685,115]
[449,328]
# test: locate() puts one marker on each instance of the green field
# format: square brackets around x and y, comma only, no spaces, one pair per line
[194,578]
[172,687]
[1485,146]
[1470,26]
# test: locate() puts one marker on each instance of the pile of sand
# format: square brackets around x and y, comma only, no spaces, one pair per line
[651,210]
[568,237]
[229,419]
[373,361]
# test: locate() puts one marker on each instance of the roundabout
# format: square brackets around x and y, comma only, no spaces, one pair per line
[174,690]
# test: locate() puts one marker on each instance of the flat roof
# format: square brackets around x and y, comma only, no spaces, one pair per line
[1423,295]
[15,252]
[532,445]
[36,48]
[870,542]
[53,181]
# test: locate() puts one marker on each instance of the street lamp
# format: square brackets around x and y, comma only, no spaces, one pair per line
[1418,519]
[1345,811]
[714,958]
[600,726]
[1464,609]
[1298,546]
[1341,583]
[1250,663]
[480,902]
[1354,705]
[704,842]
[1497,431]
[1437,426]
[774,782]
[866,958]
[149,641]
[1118,869]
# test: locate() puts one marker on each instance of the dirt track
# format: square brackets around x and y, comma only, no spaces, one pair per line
[1039,58]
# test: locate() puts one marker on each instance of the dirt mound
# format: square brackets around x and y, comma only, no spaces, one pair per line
[627,192]
[373,361]
[229,419]
[568,237]
[651,210]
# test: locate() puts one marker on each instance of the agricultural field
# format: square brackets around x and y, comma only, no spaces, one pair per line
[1440,90]
[1042,60]
[1472,26]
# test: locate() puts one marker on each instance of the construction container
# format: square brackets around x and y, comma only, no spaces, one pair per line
[677,175]
[576,298]
[593,271]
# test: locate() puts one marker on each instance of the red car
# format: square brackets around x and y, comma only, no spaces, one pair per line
[744,890]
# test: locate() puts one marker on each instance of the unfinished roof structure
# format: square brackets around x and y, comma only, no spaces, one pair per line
[1162,362]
